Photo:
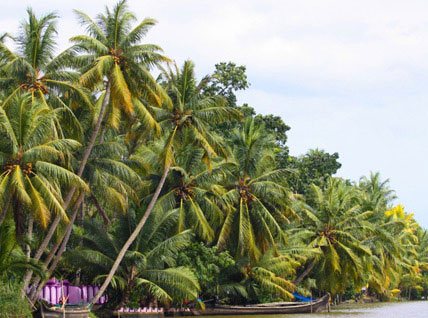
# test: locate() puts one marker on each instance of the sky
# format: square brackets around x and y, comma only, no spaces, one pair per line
[347,76]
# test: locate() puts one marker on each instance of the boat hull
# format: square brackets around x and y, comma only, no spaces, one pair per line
[64,313]
[279,309]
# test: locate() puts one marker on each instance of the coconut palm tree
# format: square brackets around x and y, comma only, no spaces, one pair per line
[388,254]
[113,186]
[188,118]
[412,263]
[195,191]
[423,259]
[35,165]
[149,266]
[256,195]
[33,67]
[270,275]
[112,59]
[423,247]
[33,162]
[375,195]
[36,44]
[336,225]
[112,52]
[191,115]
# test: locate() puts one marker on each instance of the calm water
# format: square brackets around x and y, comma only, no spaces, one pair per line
[417,309]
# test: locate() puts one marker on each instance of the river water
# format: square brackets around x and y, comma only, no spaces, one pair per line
[416,309]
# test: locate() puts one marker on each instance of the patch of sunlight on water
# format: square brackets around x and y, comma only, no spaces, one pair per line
[416,309]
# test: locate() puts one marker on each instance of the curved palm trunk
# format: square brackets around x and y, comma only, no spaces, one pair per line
[36,292]
[67,235]
[132,237]
[305,273]
[85,157]
[101,211]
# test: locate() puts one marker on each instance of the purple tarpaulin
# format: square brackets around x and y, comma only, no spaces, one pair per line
[54,291]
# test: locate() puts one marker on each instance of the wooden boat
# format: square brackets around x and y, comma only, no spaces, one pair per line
[264,309]
[67,312]
[141,314]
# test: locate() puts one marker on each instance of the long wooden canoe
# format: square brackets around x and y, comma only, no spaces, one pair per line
[278,309]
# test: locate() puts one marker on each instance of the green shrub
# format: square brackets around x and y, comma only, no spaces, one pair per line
[12,305]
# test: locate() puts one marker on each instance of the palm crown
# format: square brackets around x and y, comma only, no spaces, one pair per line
[335,224]
[112,51]
[33,67]
[191,116]
[256,195]
[33,160]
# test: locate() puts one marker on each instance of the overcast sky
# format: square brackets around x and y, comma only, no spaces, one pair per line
[347,76]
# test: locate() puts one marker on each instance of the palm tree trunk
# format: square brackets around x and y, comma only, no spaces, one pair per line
[305,273]
[67,235]
[77,206]
[70,194]
[100,210]
[95,132]
[133,236]
[29,238]
[81,215]
[29,235]
[129,287]
[61,250]
[82,167]
[18,215]
[3,212]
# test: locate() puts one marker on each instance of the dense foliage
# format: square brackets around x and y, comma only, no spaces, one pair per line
[165,189]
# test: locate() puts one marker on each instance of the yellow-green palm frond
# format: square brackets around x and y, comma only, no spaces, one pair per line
[120,94]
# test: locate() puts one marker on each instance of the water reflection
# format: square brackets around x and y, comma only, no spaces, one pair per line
[381,310]
[417,309]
